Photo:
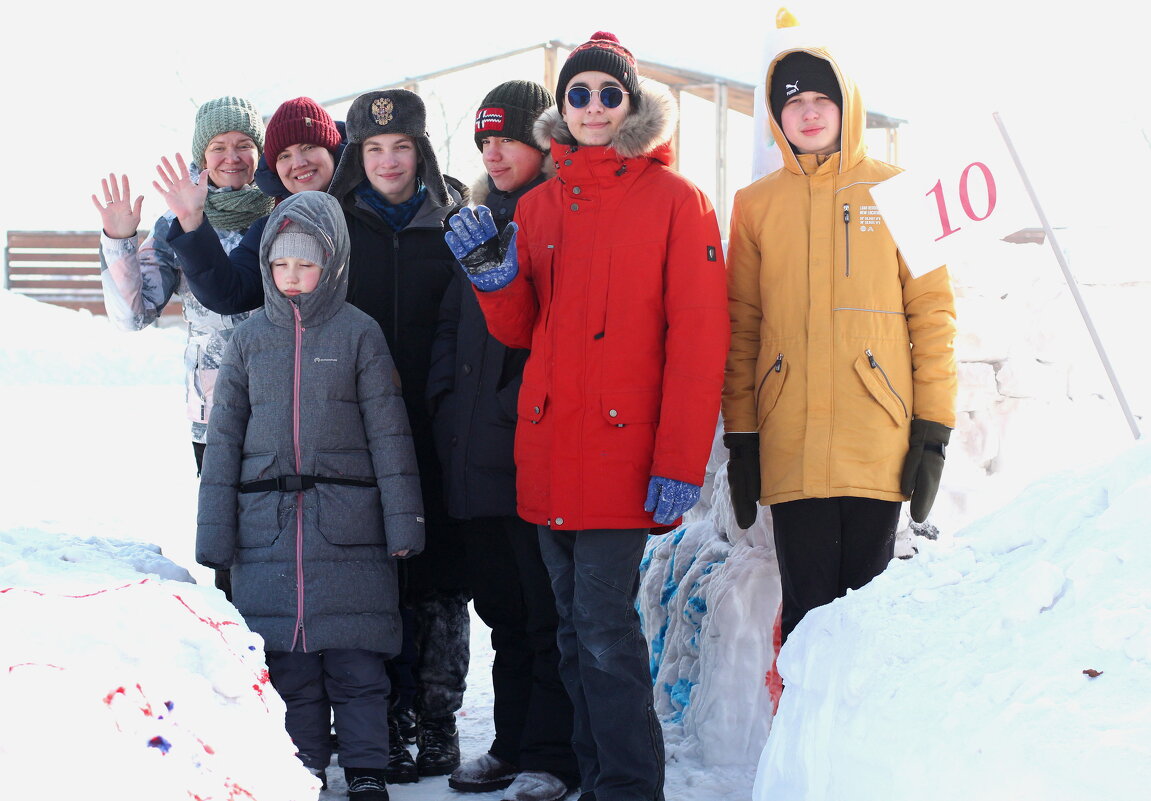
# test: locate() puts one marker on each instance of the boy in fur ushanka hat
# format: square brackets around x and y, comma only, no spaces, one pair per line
[612,274]
[397,112]
[397,203]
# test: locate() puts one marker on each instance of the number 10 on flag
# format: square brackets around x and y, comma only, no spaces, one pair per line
[943,211]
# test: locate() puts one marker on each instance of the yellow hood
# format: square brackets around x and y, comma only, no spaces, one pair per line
[852,147]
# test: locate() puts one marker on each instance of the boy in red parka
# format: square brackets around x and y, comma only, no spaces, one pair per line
[612,274]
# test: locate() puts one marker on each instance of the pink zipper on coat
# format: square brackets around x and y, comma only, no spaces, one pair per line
[299,633]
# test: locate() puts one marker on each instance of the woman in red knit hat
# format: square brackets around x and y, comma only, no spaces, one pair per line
[301,148]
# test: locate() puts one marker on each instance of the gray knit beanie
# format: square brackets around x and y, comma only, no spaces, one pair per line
[296,245]
[225,114]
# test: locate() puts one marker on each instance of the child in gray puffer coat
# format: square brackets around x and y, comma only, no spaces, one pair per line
[310,492]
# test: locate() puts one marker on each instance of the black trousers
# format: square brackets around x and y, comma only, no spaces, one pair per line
[826,546]
[349,686]
[513,595]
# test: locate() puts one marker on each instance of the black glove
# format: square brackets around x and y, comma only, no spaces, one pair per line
[743,476]
[924,465]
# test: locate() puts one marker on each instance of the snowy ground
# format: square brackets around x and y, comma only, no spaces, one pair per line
[1010,660]
[97,460]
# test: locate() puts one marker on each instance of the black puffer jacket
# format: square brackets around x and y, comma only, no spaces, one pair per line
[473,386]
[399,279]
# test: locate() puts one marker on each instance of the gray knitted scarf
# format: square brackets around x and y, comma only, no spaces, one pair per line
[237,209]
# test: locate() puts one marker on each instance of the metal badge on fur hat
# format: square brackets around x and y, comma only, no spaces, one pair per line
[297,122]
[601,53]
[802,72]
[510,110]
[390,111]
[225,114]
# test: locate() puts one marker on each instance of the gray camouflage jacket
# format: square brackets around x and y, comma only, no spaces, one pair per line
[140,278]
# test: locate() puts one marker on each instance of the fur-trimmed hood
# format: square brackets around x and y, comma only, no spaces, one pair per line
[650,124]
[482,188]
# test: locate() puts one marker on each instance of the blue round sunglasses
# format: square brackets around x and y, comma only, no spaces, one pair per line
[609,96]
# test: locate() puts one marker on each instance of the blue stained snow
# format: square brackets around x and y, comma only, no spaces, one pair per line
[681,586]
[680,695]
[697,604]
[169,705]
[657,645]
[161,743]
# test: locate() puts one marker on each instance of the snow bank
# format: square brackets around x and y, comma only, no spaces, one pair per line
[1011,662]
[116,679]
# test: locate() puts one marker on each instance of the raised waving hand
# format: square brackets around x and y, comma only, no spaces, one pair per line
[119,215]
[185,197]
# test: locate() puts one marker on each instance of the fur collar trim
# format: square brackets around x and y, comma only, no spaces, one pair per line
[650,125]
[481,187]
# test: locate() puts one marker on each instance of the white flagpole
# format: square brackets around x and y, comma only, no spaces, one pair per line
[1071,283]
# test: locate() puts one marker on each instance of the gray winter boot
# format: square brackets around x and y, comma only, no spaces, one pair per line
[483,774]
[536,785]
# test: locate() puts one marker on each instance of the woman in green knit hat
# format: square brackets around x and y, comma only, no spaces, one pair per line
[139,278]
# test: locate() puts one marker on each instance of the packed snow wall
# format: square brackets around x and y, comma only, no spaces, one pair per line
[709,602]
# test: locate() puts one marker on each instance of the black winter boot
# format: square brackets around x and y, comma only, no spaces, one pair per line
[366,784]
[439,746]
[406,717]
[401,767]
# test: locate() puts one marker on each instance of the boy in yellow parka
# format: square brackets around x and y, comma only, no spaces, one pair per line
[839,396]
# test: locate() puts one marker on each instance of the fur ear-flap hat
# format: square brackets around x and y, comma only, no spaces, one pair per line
[390,111]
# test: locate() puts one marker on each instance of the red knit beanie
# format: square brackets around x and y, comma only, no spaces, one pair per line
[297,122]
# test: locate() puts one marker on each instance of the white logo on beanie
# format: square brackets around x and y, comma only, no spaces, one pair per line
[790,89]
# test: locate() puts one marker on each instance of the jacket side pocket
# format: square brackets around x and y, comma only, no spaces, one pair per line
[879,387]
[349,515]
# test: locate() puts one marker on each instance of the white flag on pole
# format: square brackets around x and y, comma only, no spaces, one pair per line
[964,194]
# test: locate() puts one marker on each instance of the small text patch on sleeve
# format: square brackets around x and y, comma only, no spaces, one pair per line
[711,252]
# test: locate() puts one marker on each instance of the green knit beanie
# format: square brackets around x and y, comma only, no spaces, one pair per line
[222,115]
